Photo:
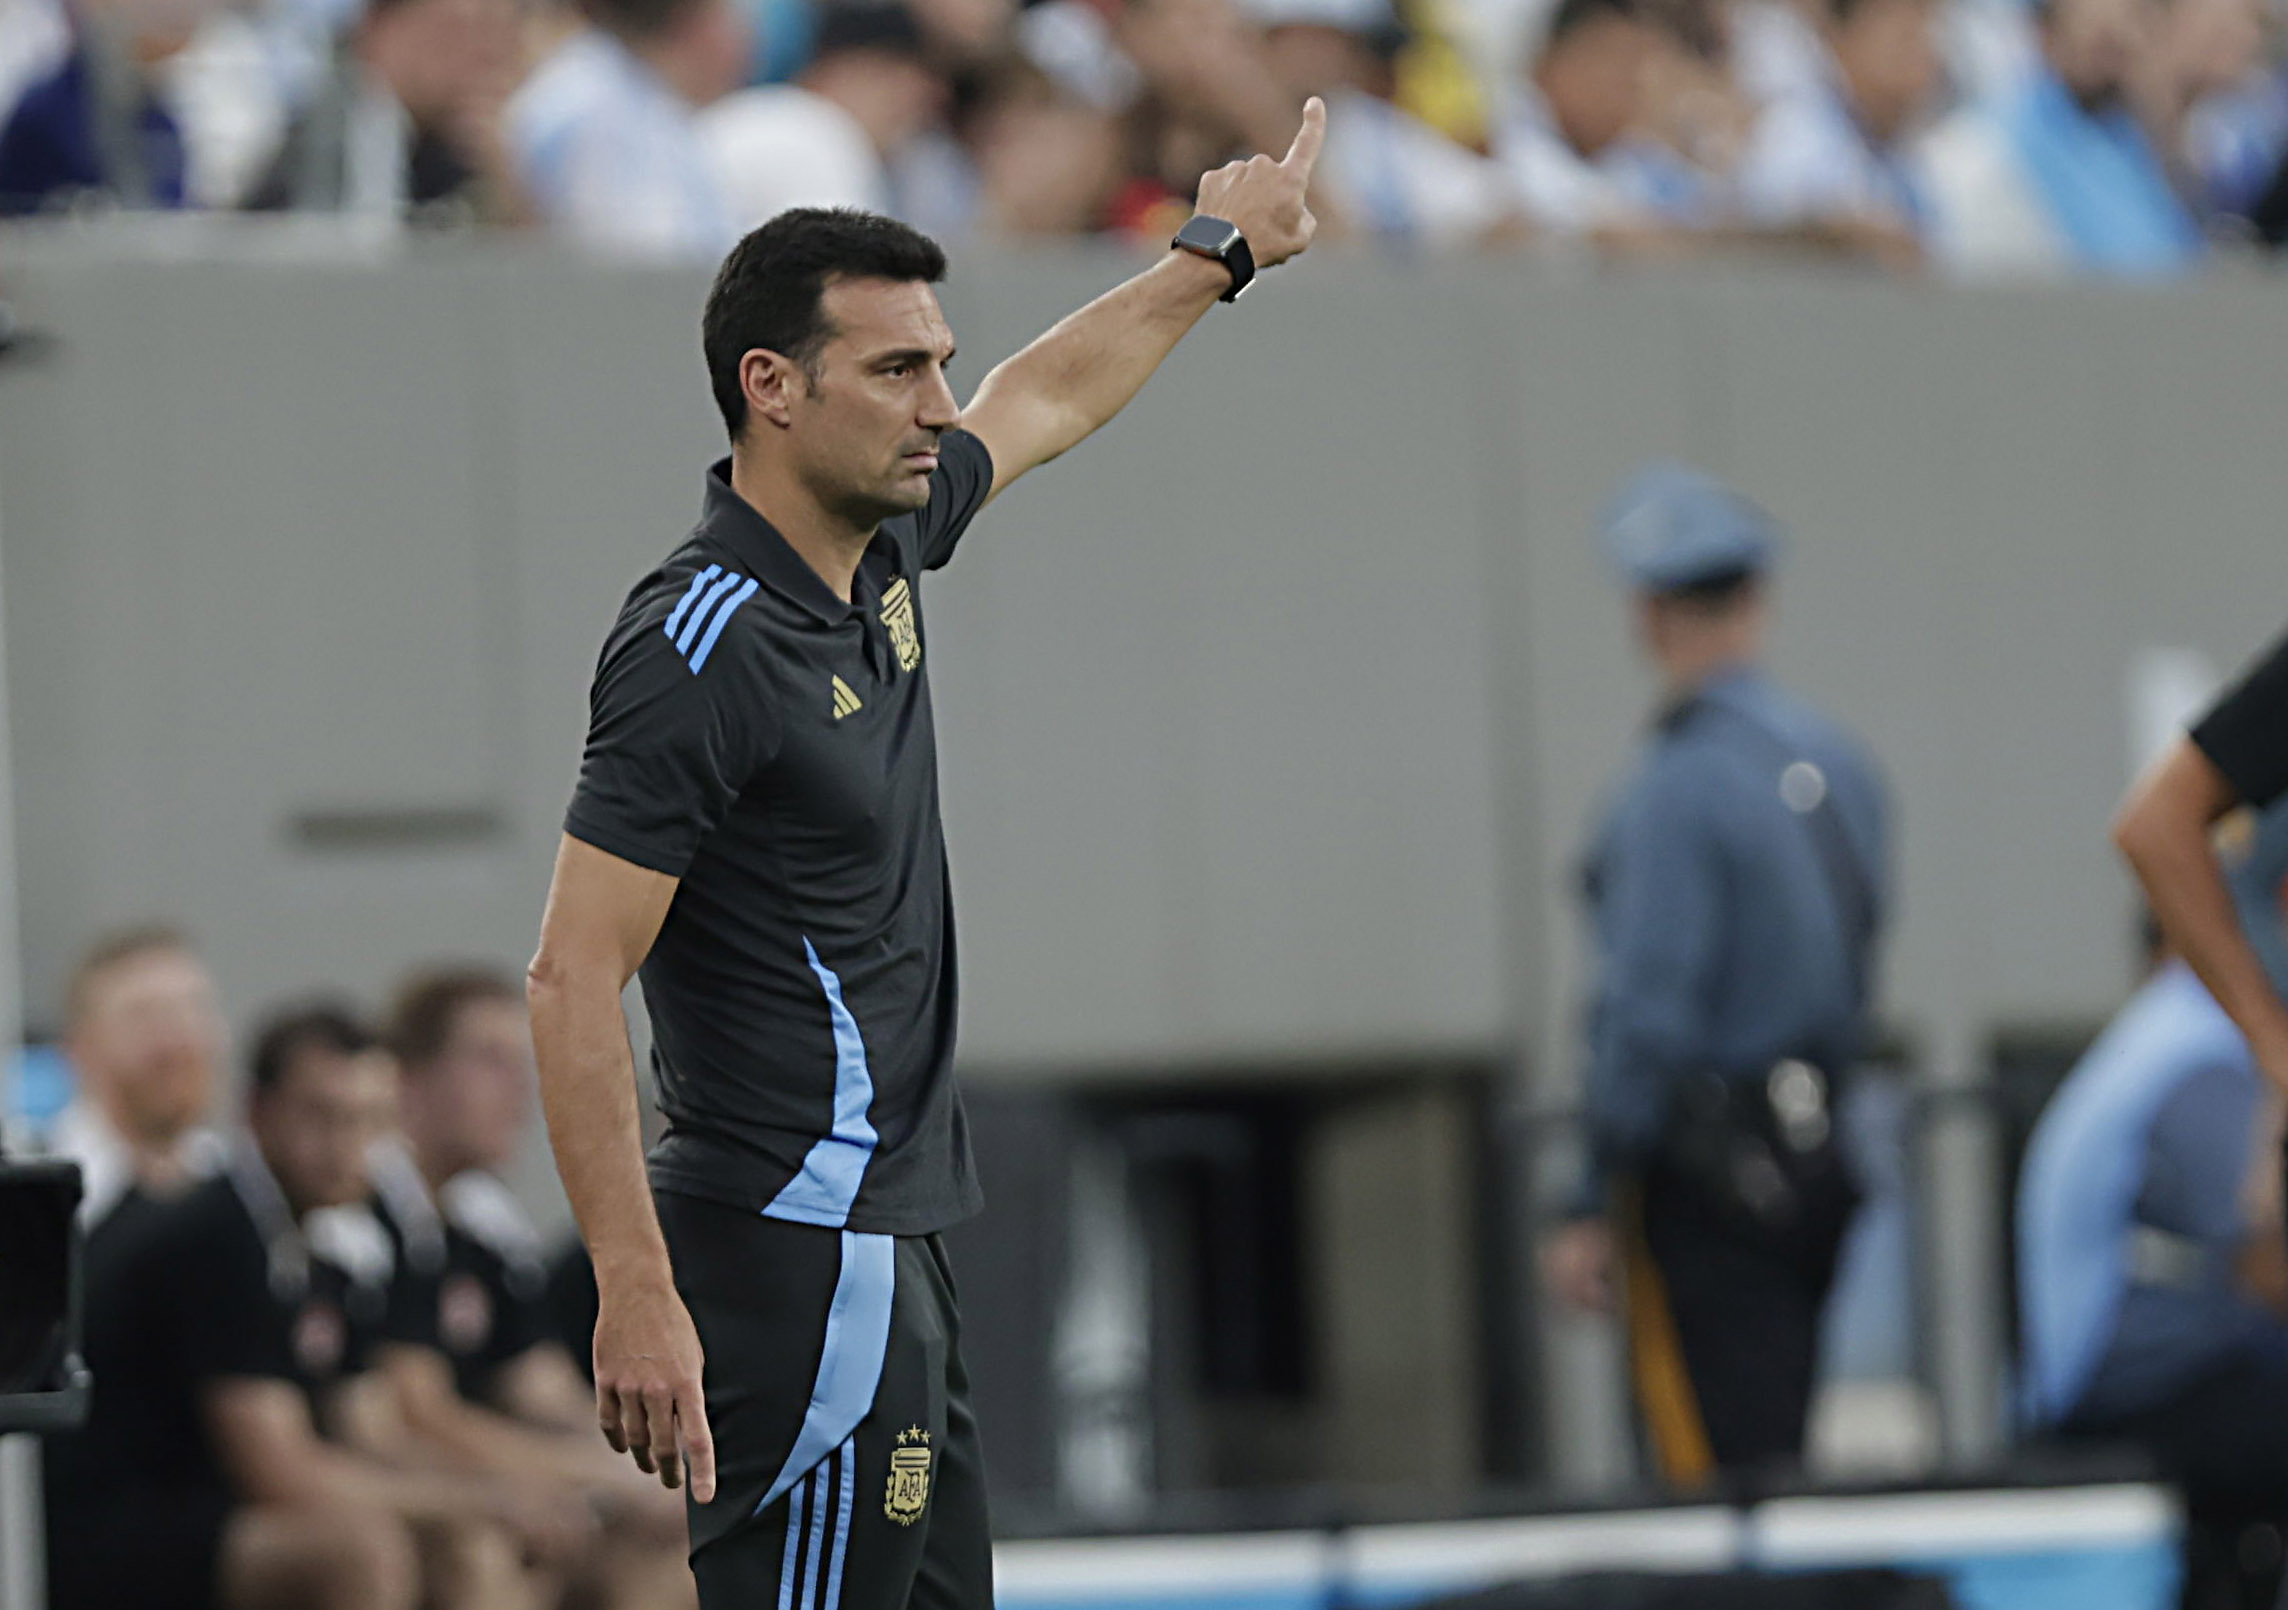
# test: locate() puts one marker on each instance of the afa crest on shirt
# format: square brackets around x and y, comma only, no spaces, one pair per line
[909,1477]
[898,621]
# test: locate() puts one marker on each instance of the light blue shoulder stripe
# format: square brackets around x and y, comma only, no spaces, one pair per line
[827,1187]
[850,1364]
[706,606]
[715,627]
[698,586]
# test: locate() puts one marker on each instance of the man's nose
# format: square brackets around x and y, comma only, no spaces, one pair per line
[939,410]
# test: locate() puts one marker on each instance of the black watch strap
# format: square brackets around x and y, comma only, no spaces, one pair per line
[1219,238]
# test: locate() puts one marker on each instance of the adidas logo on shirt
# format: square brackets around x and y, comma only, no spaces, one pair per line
[845,701]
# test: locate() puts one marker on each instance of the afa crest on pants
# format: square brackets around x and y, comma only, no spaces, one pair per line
[909,1477]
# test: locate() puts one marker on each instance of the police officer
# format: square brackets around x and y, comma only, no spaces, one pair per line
[1736,887]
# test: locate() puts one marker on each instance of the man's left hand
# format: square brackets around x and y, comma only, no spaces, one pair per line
[1267,199]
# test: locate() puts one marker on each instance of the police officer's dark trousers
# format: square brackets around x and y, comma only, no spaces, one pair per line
[1741,1308]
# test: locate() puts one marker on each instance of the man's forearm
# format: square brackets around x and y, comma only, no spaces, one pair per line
[588,1092]
[2163,833]
[2185,885]
[1071,380]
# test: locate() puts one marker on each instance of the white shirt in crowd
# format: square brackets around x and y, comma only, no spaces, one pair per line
[613,157]
[1776,53]
[784,146]
[34,39]
[1808,159]
[1404,180]
[1561,190]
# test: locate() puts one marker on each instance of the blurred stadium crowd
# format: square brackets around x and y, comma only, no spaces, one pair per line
[338,1364]
[2109,136]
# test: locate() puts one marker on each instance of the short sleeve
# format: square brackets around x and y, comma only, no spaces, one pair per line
[2246,734]
[958,489]
[670,746]
[215,1301]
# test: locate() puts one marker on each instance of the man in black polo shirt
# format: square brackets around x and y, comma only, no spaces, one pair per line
[756,827]
[2236,755]
[223,1338]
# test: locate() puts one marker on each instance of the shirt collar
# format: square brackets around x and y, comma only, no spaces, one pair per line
[731,520]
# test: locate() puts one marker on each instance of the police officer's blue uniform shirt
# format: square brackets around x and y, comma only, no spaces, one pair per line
[1721,945]
[2139,1161]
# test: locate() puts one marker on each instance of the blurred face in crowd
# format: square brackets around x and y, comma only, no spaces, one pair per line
[317,1124]
[705,50]
[153,29]
[468,1108]
[892,95]
[147,1038]
[441,58]
[1593,80]
[2207,46]
[1049,164]
[2092,44]
[861,425]
[1888,51]
[1311,58]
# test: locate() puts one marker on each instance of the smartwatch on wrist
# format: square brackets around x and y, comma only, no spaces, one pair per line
[1220,239]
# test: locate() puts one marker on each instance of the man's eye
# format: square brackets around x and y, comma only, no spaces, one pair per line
[901,370]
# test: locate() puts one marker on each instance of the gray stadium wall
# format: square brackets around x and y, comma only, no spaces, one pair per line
[1271,719]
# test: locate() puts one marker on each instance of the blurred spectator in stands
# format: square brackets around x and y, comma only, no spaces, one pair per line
[829,138]
[2200,50]
[1390,174]
[410,122]
[145,1041]
[477,1368]
[1777,51]
[606,136]
[2153,1274]
[1565,137]
[1832,154]
[98,125]
[1048,163]
[33,37]
[2060,175]
[224,1345]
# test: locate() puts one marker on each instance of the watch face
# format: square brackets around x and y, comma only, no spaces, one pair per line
[1212,235]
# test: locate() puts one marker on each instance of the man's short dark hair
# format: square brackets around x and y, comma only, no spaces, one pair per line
[429,1005]
[1571,16]
[767,293]
[286,1037]
[115,949]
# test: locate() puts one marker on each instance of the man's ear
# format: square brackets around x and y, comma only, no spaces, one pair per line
[771,382]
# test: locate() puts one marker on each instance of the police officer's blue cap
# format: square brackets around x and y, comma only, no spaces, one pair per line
[1671,527]
[2255,879]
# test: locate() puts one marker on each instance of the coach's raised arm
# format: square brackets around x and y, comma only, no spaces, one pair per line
[1251,216]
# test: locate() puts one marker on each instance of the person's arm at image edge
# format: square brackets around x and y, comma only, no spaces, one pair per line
[603,915]
[1073,379]
[2163,832]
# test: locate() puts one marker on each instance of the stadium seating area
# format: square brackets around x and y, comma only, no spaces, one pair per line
[1971,135]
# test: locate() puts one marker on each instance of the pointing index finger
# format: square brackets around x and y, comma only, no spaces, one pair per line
[1313,134]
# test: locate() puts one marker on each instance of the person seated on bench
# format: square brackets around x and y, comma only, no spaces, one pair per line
[2153,1273]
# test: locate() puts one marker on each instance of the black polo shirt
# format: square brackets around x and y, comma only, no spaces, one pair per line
[184,1294]
[470,1279]
[2246,735]
[772,747]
